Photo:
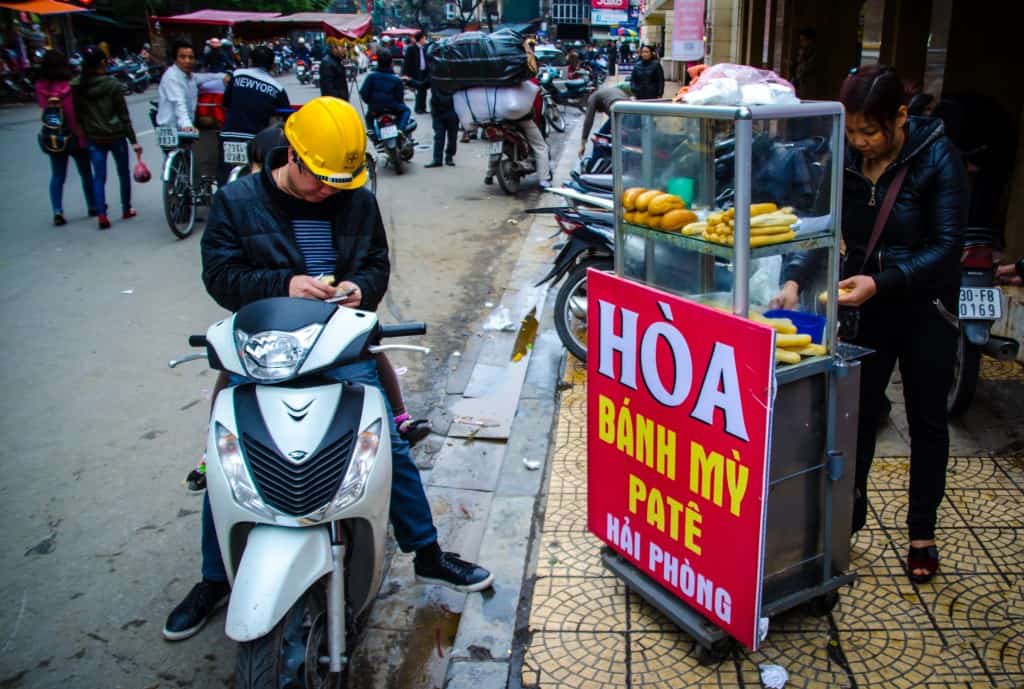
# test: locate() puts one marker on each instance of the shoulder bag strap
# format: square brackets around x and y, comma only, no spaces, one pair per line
[883,213]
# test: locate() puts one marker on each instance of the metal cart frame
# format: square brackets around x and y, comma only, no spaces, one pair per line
[809,504]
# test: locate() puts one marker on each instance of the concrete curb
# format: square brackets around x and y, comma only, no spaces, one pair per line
[483,644]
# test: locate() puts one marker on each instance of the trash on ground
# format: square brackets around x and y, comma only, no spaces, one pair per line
[500,319]
[762,629]
[456,353]
[773,676]
[473,421]
[127,291]
[531,464]
[401,370]
[488,304]
[527,334]
[512,221]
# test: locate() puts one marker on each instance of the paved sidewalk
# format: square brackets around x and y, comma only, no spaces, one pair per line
[964,629]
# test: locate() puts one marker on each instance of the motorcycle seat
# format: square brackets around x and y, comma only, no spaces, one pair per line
[598,217]
[605,182]
[576,83]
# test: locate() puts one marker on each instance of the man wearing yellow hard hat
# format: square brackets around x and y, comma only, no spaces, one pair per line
[307,213]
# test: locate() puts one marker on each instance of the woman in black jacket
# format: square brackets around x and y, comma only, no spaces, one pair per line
[903,288]
[648,80]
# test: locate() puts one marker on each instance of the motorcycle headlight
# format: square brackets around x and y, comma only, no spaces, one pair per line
[275,355]
[242,488]
[359,468]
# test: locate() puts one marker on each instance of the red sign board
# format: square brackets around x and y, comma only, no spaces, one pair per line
[609,4]
[679,402]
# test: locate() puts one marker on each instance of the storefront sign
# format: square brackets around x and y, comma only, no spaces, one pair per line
[608,17]
[688,30]
[609,5]
[679,409]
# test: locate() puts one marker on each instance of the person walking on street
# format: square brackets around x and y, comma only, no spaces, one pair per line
[446,126]
[902,270]
[417,70]
[103,113]
[53,94]
[333,79]
[268,235]
[647,82]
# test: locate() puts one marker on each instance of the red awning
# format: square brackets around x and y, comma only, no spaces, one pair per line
[42,7]
[214,18]
[352,26]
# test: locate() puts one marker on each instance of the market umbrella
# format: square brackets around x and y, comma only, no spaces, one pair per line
[41,7]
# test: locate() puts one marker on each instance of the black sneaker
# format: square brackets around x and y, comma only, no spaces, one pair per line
[199,605]
[449,162]
[448,570]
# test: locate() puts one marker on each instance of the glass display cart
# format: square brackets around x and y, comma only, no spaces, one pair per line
[763,189]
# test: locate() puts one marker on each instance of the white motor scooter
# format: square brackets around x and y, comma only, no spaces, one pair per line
[299,481]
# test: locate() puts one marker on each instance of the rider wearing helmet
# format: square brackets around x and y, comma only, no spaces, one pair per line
[269,235]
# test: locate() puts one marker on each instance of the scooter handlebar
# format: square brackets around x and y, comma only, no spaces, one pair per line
[197,341]
[403,329]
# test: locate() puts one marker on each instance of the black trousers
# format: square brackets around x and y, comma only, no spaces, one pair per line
[915,335]
[421,98]
[446,124]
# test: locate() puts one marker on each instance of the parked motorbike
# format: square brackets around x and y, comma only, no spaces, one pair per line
[134,77]
[601,186]
[315,71]
[599,162]
[573,92]
[302,72]
[299,481]
[590,243]
[980,305]
[392,142]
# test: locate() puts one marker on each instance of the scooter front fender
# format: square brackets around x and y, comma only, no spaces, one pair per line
[278,565]
[976,331]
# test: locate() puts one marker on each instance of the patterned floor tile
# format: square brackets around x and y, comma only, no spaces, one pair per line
[893,474]
[576,660]
[880,603]
[890,508]
[569,554]
[591,604]
[871,553]
[982,507]
[993,369]
[974,603]
[1004,653]
[669,659]
[568,516]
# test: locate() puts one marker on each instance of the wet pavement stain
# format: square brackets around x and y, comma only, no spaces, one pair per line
[44,547]
[434,629]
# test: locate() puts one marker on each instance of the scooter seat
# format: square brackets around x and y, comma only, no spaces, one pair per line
[605,182]
[606,218]
[576,83]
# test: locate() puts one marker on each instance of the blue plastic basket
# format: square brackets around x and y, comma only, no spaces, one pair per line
[806,323]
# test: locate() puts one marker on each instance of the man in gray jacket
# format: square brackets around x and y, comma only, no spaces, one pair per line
[600,101]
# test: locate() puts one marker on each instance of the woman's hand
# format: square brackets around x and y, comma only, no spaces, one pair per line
[788,298]
[862,288]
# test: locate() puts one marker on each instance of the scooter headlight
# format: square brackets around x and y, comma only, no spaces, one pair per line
[242,488]
[275,355]
[359,468]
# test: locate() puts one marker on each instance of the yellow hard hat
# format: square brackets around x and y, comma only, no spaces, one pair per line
[330,137]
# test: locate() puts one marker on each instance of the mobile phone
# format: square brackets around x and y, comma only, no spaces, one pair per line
[342,296]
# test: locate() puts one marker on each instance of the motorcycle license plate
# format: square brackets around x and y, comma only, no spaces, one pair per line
[983,303]
[495,147]
[235,153]
[167,137]
[389,132]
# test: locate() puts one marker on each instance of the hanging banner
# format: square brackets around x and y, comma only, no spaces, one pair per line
[679,403]
[608,17]
[688,30]
[609,5]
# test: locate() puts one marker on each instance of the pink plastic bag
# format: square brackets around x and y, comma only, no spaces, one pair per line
[141,173]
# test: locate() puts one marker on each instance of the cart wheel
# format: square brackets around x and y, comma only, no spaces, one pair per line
[823,605]
[719,652]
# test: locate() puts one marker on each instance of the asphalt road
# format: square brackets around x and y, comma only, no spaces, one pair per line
[100,538]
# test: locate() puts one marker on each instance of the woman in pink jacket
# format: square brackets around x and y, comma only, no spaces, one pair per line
[52,88]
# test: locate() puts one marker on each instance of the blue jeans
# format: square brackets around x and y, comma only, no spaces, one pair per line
[59,174]
[404,115]
[98,156]
[410,511]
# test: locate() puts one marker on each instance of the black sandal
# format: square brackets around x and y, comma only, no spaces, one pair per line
[926,558]
[413,431]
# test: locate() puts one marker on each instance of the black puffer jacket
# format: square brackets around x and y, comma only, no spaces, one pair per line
[333,80]
[249,251]
[647,80]
[918,254]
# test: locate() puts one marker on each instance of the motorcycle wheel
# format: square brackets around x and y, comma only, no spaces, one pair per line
[289,656]
[965,377]
[508,178]
[555,118]
[571,306]
[178,207]
[396,161]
